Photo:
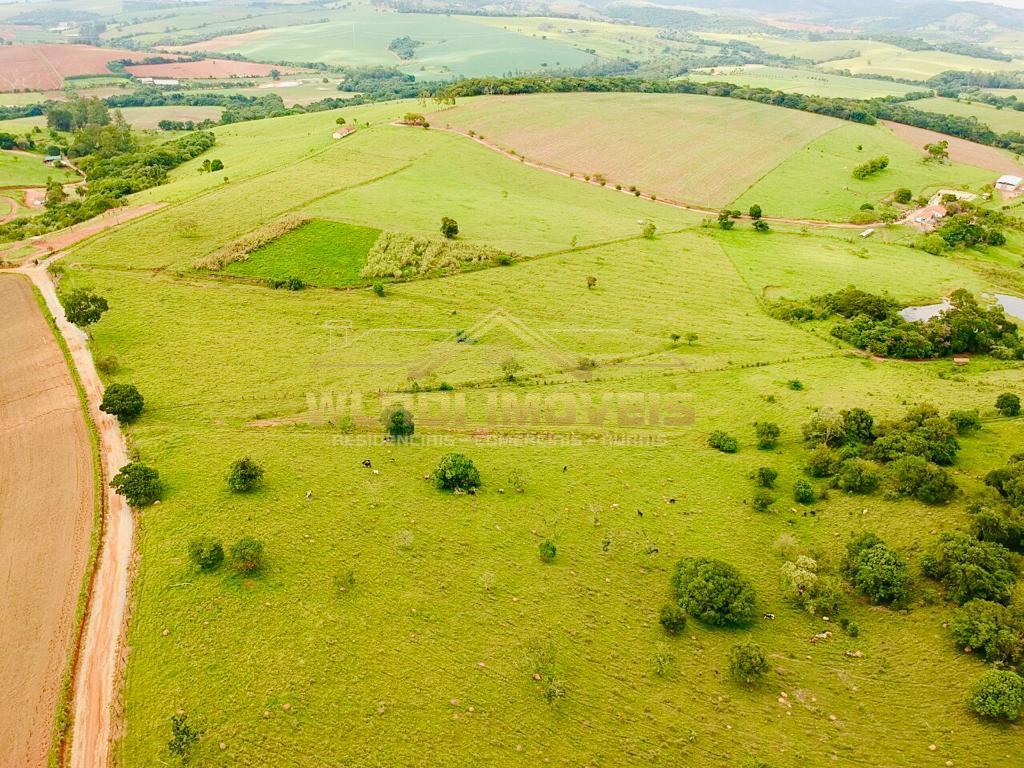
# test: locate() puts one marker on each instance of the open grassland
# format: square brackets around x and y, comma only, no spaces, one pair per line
[150,117]
[817,181]
[453,45]
[806,81]
[22,170]
[323,253]
[998,161]
[1001,120]
[695,149]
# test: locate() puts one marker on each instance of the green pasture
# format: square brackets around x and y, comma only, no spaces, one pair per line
[19,170]
[1001,120]
[806,81]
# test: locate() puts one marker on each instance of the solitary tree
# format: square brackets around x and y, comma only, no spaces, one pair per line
[649,229]
[456,471]
[244,475]
[83,307]
[767,434]
[123,401]
[725,220]
[247,554]
[938,151]
[206,553]
[755,211]
[183,737]
[449,227]
[998,694]
[547,550]
[1008,404]
[747,663]
[398,422]
[138,483]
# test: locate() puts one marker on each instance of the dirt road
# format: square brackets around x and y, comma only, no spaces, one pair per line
[98,656]
[47,497]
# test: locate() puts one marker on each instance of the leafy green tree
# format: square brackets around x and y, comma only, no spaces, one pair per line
[138,483]
[965,421]
[902,196]
[456,471]
[755,211]
[747,663]
[247,554]
[766,477]
[858,425]
[998,694]
[244,475]
[183,737]
[83,307]
[768,433]
[216,165]
[672,618]
[970,569]
[725,220]
[1008,404]
[937,151]
[206,553]
[858,476]
[449,227]
[398,422]
[123,401]
[878,572]
[803,492]
[994,630]
[722,441]
[649,229]
[547,550]
[713,591]
[762,501]
[760,225]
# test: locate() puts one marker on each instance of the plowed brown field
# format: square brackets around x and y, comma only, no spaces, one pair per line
[44,66]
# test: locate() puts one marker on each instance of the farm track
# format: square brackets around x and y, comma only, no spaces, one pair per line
[692,208]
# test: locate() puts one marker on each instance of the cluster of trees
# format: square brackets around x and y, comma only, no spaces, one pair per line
[206,554]
[404,47]
[871,167]
[713,591]
[966,225]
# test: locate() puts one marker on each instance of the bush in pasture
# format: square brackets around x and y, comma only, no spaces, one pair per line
[902,196]
[206,553]
[216,165]
[969,569]
[913,476]
[755,211]
[805,585]
[803,492]
[965,422]
[871,167]
[547,550]
[83,307]
[713,591]
[999,523]
[107,364]
[876,571]
[123,401]
[398,423]
[339,120]
[672,618]
[767,434]
[766,477]
[449,227]
[760,225]
[725,220]
[825,428]
[823,462]
[456,471]
[858,476]
[184,737]
[378,289]
[503,260]
[762,501]
[138,483]
[1008,404]
[591,281]
[747,663]
[722,441]
[858,425]
[649,229]
[999,695]
[247,554]
[994,630]
[795,384]
[244,475]
[510,368]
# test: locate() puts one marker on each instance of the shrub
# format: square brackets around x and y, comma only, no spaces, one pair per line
[993,629]
[449,227]
[123,401]
[871,167]
[747,663]
[806,586]
[722,441]
[760,225]
[755,211]
[858,476]
[965,421]
[823,462]
[858,425]
[713,592]
[998,694]
[183,737]
[547,550]
[876,571]
[803,492]
[138,483]
[767,434]
[1008,404]
[913,476]
[107,364]
[970,569]
[244,475]
[825,428]
[247,554]
[206,553]
[762,501]
[649,230]
[398,422]
[456,472]
[902,196]
[378,289]
[766,477]
[672,618]
[83,307]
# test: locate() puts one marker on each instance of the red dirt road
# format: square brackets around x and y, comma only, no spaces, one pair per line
[46,514]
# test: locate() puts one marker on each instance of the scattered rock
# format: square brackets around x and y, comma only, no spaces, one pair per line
[376,471]
[536,676]
[166,632]
[266,714]
[286,707]
[222,745]
[932,747]
[855,654]
[833,718]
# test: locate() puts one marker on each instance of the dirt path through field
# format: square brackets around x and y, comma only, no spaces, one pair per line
[98,656]
[47,497]
[12,209]
[692,208]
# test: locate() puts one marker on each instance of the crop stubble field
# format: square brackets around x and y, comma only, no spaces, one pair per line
[451,613]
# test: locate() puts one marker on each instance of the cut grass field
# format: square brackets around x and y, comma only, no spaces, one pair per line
[817,181]
[696,149]
[450,631]
[1000,120]
[806,81]
[144,118]
[323,253]
[21,170]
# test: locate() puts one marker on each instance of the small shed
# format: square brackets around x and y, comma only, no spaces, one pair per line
[1009,183]
[867,233]
[52,159]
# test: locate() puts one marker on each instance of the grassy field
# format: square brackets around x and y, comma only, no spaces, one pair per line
[807,81]
[1001,120]
[697,149]
[149,117]
[449,615]
[453,46]
[18,170]
[322,253]
[817,180]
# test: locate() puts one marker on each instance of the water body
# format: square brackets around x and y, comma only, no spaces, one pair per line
[1012,305]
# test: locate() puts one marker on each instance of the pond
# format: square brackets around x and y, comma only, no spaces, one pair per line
[1012,305]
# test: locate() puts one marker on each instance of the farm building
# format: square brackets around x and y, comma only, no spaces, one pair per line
[1008,183]
[957,194]
[51,159]
[928,217]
